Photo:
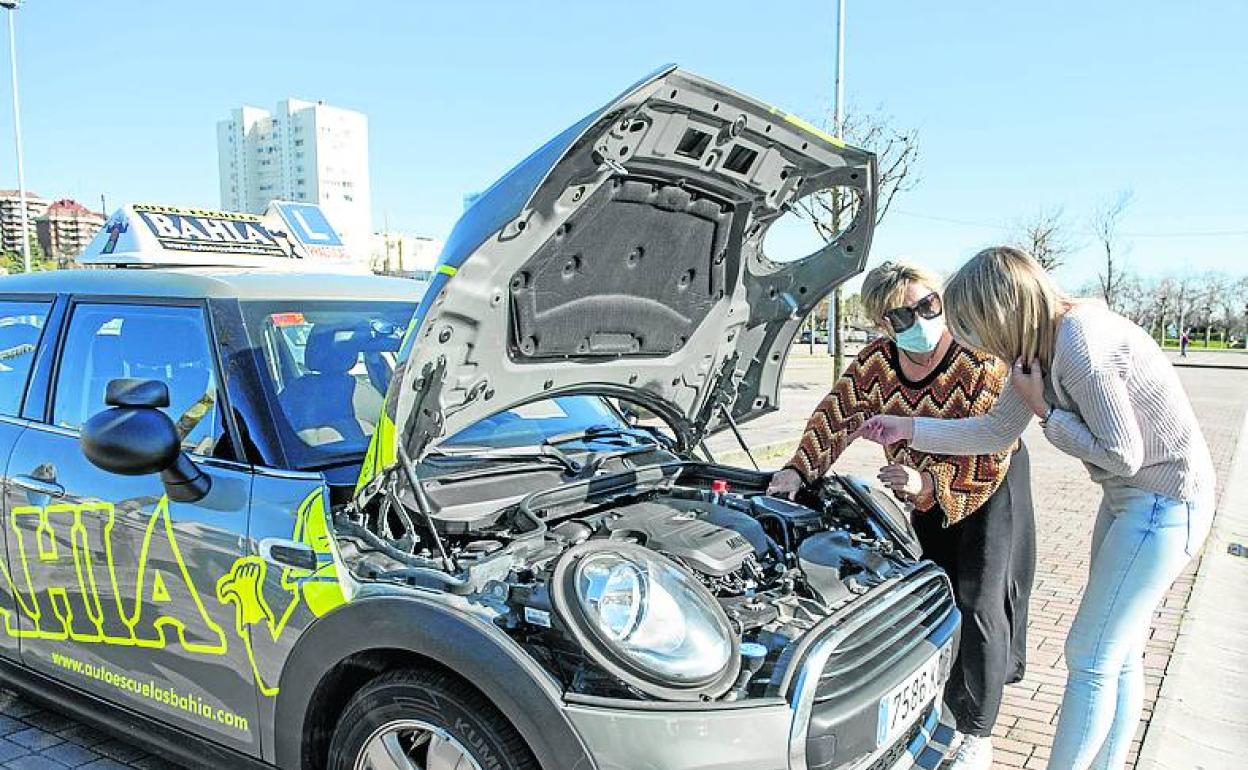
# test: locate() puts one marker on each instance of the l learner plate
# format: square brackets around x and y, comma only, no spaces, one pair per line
[906,702]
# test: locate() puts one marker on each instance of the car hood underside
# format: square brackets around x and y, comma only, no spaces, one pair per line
[624,258]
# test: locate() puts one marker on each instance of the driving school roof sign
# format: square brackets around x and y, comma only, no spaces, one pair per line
[141,234]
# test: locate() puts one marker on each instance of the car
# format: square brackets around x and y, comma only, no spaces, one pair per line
[821,337]
[271,518]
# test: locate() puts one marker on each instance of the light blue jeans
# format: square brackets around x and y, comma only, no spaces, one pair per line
[1142,541]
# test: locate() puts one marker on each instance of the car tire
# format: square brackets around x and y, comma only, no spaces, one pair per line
[429,715]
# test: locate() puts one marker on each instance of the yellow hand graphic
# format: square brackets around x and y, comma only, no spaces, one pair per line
[244,586]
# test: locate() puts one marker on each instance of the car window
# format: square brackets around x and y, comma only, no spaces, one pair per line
[327,365]
[21,325]
[170,344]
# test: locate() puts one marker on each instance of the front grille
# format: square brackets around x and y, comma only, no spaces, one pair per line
[882,640]
[847,654]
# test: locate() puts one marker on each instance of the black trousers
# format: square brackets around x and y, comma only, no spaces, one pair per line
[991,559]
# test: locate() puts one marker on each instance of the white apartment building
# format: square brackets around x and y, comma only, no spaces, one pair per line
[303,151]
[11,217]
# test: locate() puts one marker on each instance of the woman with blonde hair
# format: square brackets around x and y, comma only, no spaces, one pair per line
[1106,394]
[973,515]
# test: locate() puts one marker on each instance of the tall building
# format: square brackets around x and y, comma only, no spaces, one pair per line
[66,227]
[11,217]
[303,151]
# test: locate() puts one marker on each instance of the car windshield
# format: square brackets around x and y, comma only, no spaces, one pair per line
[532,424]
[328,364]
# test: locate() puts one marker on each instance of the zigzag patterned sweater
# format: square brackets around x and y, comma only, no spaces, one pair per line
[965,383]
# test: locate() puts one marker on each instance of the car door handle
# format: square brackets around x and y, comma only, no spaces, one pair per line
[38,486]
[288,553]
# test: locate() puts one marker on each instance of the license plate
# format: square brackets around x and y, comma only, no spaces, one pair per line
[901,707]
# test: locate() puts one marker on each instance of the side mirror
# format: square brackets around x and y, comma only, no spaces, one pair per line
[135,438]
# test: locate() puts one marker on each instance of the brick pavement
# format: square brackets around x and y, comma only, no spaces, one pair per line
[1066,501]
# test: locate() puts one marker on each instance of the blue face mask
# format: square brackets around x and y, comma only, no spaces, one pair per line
[923,336]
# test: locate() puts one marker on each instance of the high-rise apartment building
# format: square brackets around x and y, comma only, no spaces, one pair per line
[303,151]
[11,217]
[66,227]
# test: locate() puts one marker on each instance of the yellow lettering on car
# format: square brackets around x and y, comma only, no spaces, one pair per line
[69,551]
[161,564]
[70,606]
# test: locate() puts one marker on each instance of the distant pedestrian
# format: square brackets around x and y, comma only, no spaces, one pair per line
[972,514]
[1105,394]
[1184,341]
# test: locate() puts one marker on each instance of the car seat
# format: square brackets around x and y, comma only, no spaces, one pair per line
[320,403]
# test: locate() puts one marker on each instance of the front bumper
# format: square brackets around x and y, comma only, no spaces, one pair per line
[739,739]
[826,711]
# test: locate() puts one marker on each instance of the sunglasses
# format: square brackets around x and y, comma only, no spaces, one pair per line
[902,318]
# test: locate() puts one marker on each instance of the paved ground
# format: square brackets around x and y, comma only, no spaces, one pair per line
[1066,503]
[31,737]
[1199,720]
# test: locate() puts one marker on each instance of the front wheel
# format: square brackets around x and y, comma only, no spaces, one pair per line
[425,720]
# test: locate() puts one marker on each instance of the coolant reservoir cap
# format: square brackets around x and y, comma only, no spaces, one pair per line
[753,650]
[719,486]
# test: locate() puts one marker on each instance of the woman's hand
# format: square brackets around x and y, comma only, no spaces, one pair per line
[906,483]
[785,483]
[885,429]
[1028,380]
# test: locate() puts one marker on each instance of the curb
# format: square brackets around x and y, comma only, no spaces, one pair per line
[1230,367]
[1200,719]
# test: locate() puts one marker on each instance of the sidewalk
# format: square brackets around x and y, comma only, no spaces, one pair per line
[1200,721]
[1066,502]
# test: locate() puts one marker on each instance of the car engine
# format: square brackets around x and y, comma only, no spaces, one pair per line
[775,568]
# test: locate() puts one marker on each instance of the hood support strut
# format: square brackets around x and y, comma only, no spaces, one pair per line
[723,409]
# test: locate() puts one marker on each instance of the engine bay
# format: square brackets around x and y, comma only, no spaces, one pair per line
[775,568]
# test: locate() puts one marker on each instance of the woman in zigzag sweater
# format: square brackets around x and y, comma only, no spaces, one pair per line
[973,515]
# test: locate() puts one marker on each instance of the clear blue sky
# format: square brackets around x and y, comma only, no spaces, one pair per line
[1020,105]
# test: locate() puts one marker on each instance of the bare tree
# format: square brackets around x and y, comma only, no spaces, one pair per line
[829,212]
[1105,222]
[1045,237]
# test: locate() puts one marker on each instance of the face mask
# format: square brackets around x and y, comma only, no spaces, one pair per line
[923,336]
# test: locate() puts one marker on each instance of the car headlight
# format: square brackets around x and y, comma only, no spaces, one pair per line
[646,620]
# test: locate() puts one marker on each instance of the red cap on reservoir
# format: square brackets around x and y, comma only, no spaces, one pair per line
[719,486]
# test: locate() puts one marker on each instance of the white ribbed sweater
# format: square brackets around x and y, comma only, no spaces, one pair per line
[1117,403]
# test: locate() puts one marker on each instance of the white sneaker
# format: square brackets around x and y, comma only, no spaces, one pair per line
[975,753]
[955,744]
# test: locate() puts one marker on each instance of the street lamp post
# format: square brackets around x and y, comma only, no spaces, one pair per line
[835,346]
[11,7]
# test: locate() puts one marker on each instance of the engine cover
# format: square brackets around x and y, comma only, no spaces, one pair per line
[708,548]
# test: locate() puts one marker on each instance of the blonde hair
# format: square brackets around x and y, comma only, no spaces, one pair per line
[1004,303]
[884,288]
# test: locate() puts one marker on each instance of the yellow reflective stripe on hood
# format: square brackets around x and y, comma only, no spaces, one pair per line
[808,127]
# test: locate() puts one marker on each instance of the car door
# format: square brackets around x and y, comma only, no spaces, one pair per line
[117,585]
[22,321]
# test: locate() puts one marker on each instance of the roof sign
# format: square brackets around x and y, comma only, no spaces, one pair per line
[308,226]
[142,234]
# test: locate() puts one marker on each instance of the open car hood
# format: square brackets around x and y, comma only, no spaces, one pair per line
[624,258]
